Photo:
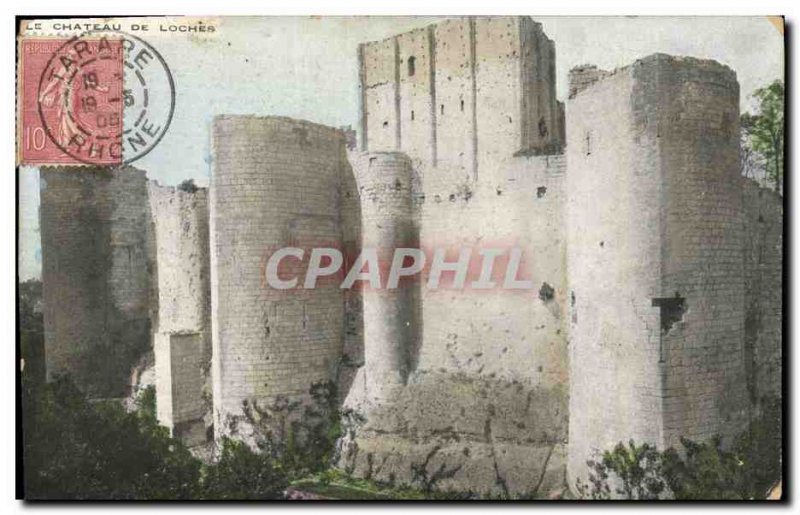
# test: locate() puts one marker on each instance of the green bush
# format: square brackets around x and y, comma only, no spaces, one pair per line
[240,473]
[701,471]
[76,449]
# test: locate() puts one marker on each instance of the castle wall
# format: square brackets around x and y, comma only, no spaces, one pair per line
[182,342]
[456,139]
[276,183]
[540,109]
[613,268]
[416,87]
[486,394]
[654,219]
[95,275]
[763,267]
[352,357]
[498,76]
[379,64]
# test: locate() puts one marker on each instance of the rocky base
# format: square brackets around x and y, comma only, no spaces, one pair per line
[488,437]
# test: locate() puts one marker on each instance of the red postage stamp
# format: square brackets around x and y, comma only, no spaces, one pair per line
[99,99]
[71,101]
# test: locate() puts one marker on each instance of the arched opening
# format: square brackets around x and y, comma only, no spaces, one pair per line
[412,65]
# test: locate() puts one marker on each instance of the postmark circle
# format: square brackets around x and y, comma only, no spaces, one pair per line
[106,98]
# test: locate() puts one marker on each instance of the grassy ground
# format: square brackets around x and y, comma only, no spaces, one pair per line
[333,484]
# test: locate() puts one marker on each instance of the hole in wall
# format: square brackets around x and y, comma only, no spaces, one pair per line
[546,292]
[672,310]
[541,191]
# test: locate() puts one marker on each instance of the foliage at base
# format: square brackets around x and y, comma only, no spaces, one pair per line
[699,471]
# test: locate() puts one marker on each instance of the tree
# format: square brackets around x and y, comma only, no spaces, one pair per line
[188,186]
[77,449]
[763,130]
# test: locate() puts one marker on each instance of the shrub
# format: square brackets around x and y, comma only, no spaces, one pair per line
[240,473]
[701,471]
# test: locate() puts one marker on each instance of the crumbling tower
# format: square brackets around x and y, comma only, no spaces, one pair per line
[276,183]
[95,275]
[182,340]
[655,258]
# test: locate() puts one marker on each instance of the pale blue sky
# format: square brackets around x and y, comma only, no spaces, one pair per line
[307,68]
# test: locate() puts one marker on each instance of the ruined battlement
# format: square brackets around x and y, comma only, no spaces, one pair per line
[584,76]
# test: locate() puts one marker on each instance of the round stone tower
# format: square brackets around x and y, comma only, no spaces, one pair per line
[384,183]
[655,259]
[276,183]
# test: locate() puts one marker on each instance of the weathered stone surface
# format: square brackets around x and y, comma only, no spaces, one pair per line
[655,247]
[182,341]
[95,275]
[463,432]
[276,184]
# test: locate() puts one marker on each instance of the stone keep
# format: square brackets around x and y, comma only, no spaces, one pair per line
[485,398]
[182,340]
[276,183]
[95,275]
[655,258]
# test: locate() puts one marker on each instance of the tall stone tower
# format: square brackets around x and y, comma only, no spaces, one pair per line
[391,325]
[95,276]
[464,90]
[276,183]
[655,258]
[182,339]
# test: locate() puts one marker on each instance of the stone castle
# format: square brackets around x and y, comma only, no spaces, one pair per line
[657,308]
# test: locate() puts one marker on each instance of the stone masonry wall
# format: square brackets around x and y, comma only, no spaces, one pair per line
[485,405]
[613,269]
[695,107]
[182,340]
[655,258]
[763,266]
[95,275]
[276,183]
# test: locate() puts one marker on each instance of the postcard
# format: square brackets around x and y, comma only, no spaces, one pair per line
[401,258]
